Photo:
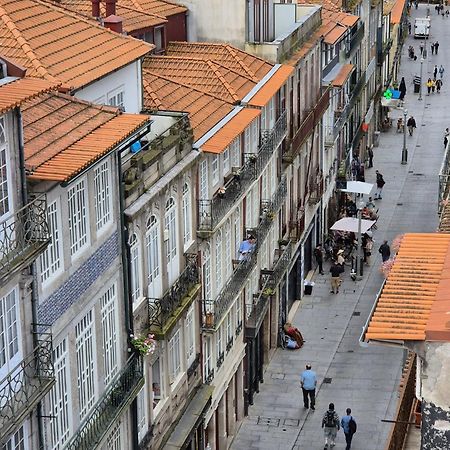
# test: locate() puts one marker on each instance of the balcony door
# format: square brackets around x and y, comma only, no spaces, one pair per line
[171,241]
[153,250]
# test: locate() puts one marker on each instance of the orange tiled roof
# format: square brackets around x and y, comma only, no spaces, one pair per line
[415,301]
[16,92]
[133,18]
[205,110]
[444,222]
[59,45]
[335,34]
[163,8]
[343,75]
[232,129]
[397,11]
[64,135]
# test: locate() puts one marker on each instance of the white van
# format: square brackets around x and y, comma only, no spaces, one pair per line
[422,28]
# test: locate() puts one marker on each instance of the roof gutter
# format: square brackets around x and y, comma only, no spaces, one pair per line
[362,341]
[261,84]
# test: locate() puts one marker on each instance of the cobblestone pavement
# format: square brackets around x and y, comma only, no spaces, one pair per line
[363,378]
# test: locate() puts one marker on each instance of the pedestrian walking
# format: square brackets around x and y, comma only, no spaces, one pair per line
[331,425]
[402,88]
[421,49]
[438,83]
[368,249]
[318,254]
[446,135]
[441,71]
[436,47]
[380,184]
[435,71]
[335,270]
[429,85]
[433,85]
[409,27]
[446,13]
[308,382]
[385,251]
[416,4]
[348,424]
[370,155]
[432,49]
[411,124]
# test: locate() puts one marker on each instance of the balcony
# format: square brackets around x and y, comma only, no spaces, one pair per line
[355,40]
[315,190]
[26,385]
[211,212]
[164,312]
[297,227]
[113,402]
[214,310]
[23,236]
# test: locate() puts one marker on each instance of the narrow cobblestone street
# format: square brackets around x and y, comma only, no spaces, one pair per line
[363,378]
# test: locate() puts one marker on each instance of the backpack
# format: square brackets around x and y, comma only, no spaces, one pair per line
[330,421]
[352,425]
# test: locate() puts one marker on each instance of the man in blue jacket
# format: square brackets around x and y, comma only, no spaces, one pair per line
[308,381]
[345,423]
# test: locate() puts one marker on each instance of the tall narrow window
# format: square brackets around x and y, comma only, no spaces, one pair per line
[237,230]
[226,248]
[59,398]
[9,332]
[109,331]
[170,225]
[158,386]
[50,260]
[215,169]
[187,221]
[207,357]
[78,216]
[218,261]
[226,161]
[141,413]
[236,152]
[190,336]
[207,273]
[84,345]
[219,345]
[135,268]
[152,244]
[17,441]
[114,440]
[203,180]
[247,140]
[102,199]
[174,356]
[4,170]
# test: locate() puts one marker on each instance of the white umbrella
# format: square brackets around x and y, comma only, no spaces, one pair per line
[351,224]
[358,187]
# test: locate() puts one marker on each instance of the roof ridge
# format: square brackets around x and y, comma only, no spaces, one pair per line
[10,24]
[217,63]
[152,93]
[222,79]
[233,52]
[157,75]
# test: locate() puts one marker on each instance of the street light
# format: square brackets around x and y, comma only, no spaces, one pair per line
[421,73]
[404,150]
[358,250]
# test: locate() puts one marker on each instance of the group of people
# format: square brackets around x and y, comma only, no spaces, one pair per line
[330,420]
[440,10]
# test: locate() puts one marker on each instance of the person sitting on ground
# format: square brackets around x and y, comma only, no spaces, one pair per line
[370,204]
[247,247]
[294,333]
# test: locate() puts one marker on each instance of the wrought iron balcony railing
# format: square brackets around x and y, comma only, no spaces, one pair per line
[355,40]
[26,385]
[211,212]
[23,236]
[120,393]
[215,309]
[162,310]
[281,266]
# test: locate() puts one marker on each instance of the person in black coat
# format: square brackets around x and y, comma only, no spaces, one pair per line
[402,89]
[385,251]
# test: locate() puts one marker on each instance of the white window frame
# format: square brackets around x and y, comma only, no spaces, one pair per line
[114,439]
[78,211]
[215,169]
[247,140]
[226,248]
[203,180]
[135,265]
[207,273]
[229,326]
[109,323]
[238,311]
[10,332]
[190,336]
[159,46]
[207,357]
[116,97]
[157,401]
[254,136]
[18,440]
[226,161]
[142,420]
[6,206]
[175,363]
[51,260]
[236,152]
[187,216]
[102,195]
[219,265]
[152,244]
[86,367]
[237,229]
[219,342]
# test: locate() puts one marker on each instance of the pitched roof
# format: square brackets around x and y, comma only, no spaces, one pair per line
[335,34]
[18,91]
[64,135]
[343,75]
[415,301]
[164,8]
[133,18]
[397,11]
[59,45]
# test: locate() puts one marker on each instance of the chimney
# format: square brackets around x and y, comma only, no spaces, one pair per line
[110,8]
[95,8]
[114,23]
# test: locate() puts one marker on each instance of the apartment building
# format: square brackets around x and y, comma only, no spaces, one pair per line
[108,72]
[26,370]
[71,152]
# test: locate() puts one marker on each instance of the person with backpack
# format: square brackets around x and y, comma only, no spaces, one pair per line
[331,425]
[348,424]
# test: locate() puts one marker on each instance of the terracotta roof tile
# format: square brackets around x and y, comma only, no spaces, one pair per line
[231,130]
[335,34]
[343,75]
[416,294]
[397,11]
[163,8]
[444,222]
[16,92]
[59,45]
[63,135]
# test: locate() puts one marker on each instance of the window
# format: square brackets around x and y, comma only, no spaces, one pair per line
[114,440]
[50,260]
[248,209]
[159,39]
[238,312]
[254,137]
[226,161]
[204,180]
[190,336]
[157,382]
[207,357]
[226,248]
[247,140]
[59,397]
[207,273]
[109,332]
[135,268]
[236,152]
[9,332]
[264,118]
[102,199]
[116,97]
[218,261]
[84,344]
[4,170]
[187,222]
[229,324]
[78,216]
[219,345]
[170,224]
[215,169]
[255,206]
[16,441]
[152,244]
[174,356]
[237,229]
[141,413]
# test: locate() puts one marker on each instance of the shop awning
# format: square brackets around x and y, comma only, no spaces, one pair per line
[191,418]
[350,224]
[358,187]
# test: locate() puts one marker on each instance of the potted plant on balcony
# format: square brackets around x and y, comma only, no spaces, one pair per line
[268,292]
[270,215]
[209,319]
[145,345]
[252,158]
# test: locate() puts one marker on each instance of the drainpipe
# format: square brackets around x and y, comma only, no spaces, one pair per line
[32,268]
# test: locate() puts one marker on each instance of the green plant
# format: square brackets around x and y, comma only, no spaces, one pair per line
[267,292]
[145,345]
